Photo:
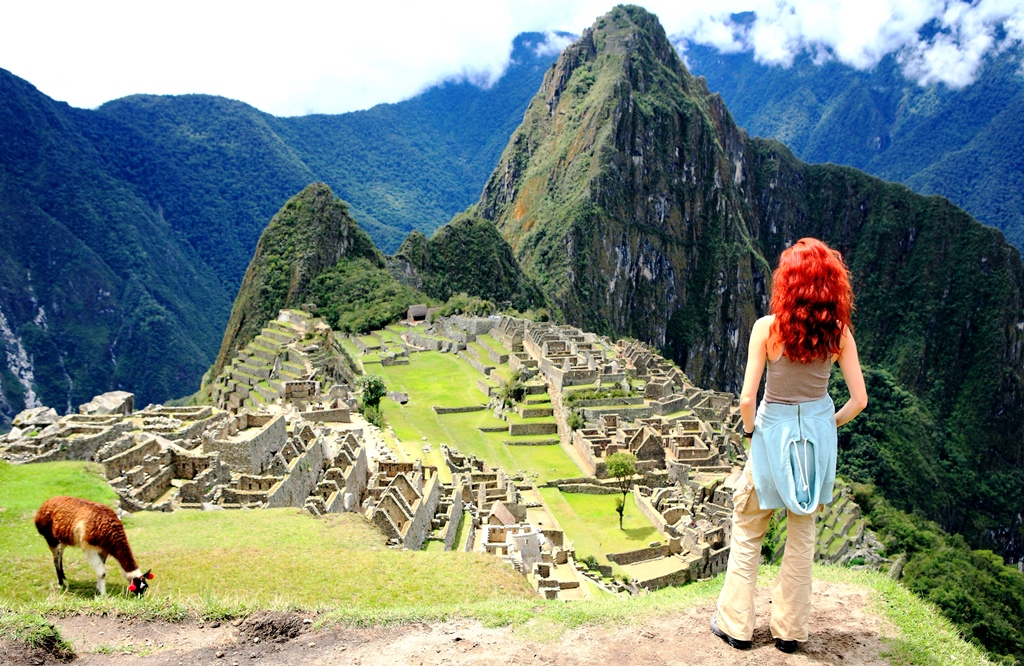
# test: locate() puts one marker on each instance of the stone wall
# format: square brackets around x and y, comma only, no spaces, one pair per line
[589,489]
[680,577]
[80,442]
[652,514]
[474,325]
[356,477]
[674,404]
[626,412]
[304,471]
[252,455]
[546,428]
[419,527]
[438,409]
[454,516]
[334,415]
[477,365]
[607,402]
[640,555]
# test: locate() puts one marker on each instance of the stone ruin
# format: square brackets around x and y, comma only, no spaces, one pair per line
[167,458]
[282,362]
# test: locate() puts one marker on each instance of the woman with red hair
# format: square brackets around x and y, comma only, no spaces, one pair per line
[792,461]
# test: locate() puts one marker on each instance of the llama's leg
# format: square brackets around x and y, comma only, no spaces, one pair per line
[101,570]
[58,562]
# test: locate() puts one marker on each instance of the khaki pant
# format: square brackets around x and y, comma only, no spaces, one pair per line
[791,595]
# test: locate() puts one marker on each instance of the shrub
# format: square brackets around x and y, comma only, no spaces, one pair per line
[374,388]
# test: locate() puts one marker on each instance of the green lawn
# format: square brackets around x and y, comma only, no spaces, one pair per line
[370,340]
[432,378]
[487,341]
[591,522]
[481,352]
[241,559]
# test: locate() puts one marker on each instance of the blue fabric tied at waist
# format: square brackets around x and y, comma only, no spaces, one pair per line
[793,455]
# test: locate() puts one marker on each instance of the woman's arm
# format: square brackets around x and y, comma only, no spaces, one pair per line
[850,366]
[756,357]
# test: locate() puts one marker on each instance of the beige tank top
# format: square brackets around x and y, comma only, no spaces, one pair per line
[790,382]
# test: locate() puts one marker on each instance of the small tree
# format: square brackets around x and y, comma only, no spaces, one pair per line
[622,466]
[374,389]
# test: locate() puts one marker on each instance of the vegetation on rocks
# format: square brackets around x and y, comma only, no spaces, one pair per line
[127,229]
[467,256]
[311,234]
[980,594]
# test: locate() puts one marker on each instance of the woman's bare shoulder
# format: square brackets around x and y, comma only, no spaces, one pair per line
[764,323]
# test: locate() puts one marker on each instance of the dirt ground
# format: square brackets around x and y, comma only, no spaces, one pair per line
[842,632]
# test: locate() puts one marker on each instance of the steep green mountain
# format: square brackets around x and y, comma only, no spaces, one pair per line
[96,290]
[467,255]
[128,228]
[313,232]
[313,252]
[637,204]
[963,144]
[415,164]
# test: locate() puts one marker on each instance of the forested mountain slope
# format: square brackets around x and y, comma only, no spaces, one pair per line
[96,288]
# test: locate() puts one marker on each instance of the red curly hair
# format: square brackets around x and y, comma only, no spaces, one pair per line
[811,299]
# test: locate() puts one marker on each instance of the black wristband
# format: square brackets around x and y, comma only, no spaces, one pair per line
[748,435]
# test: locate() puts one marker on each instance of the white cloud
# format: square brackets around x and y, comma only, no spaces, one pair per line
[861,32]
[553,43]
[327,56]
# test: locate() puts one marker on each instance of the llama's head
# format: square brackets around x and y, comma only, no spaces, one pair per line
[139,585]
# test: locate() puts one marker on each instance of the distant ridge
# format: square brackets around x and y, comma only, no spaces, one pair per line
[964,144]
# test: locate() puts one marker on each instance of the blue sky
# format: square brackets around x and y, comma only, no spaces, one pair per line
[329,57]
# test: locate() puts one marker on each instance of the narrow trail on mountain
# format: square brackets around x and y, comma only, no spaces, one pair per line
[843,631]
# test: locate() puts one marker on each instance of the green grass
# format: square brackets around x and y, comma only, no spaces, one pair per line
[21,493]
[491,343]
[592,523]
[35,630]
[233,560]
[229,563]
[432,378]
[369,340]
[503,371]
[481,352]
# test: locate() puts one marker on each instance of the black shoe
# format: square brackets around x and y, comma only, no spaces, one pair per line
[733,642]
[781,644]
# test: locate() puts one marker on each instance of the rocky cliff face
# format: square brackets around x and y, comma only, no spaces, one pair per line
[640,207]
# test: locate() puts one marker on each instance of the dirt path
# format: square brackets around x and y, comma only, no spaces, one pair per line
[842,632]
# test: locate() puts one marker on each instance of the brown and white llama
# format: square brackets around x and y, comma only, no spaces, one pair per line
[96,529]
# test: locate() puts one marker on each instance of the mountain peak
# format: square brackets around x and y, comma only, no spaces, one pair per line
[311,232]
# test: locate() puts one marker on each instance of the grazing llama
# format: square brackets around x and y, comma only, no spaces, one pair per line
[96,529]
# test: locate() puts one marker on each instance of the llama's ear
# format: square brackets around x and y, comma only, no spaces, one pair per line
[148,575]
